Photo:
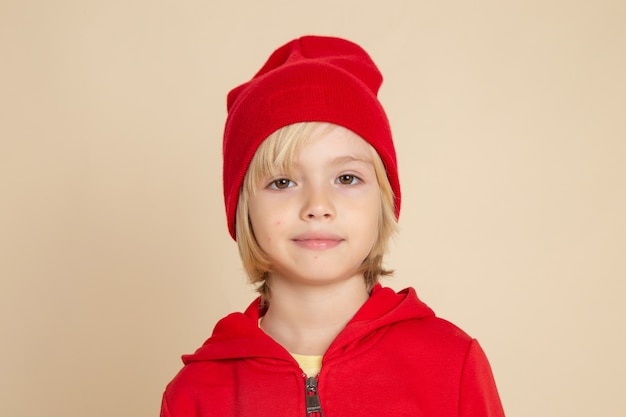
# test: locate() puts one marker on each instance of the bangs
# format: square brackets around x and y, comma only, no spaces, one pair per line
[276,154]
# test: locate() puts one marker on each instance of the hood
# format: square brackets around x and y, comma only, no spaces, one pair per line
[238,336]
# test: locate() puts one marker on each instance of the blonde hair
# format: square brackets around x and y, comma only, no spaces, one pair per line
[276,154]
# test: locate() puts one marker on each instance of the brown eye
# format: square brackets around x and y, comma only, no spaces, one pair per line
[281,184]
[347,179]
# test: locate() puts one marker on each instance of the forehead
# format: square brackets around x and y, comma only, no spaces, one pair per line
[335,145]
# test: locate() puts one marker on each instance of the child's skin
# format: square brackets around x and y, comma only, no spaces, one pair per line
[317,226]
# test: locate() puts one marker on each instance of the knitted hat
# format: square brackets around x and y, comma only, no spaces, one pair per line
[310,79]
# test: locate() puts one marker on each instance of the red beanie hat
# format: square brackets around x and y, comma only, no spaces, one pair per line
[310,79]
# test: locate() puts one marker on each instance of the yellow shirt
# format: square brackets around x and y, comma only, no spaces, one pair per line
[310,364]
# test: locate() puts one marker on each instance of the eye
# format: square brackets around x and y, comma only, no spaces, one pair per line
[348,179]
[281,184]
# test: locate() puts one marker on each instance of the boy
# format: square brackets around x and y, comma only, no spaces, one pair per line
[312,196]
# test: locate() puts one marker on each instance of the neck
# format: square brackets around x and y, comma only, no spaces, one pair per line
[305,319]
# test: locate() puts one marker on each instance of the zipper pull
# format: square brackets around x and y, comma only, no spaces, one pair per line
[312,398]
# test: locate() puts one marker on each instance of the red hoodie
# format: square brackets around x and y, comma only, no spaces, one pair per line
[394,358]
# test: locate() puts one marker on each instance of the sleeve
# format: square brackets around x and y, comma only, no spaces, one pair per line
[478,393]
[165,412]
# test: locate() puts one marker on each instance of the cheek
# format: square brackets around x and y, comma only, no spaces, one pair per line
[265,228]
[367,208]
[370,219]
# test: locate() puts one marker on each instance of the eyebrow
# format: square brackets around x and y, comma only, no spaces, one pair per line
[344,159]
[351,158]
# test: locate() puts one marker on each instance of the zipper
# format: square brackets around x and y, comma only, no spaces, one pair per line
[313,406]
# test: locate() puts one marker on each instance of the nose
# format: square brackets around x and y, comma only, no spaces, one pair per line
[317,204]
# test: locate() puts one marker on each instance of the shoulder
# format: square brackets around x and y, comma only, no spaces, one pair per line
[198,372]
[436,327]
[431,336]
[200,388]
[404,318]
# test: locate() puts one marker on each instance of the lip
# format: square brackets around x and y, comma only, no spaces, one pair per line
[317,241]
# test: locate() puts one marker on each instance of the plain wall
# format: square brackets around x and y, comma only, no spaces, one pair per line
[509,121]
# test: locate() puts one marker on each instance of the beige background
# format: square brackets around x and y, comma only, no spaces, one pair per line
[509,119]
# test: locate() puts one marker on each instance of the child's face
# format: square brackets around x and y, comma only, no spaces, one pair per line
[320,223]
